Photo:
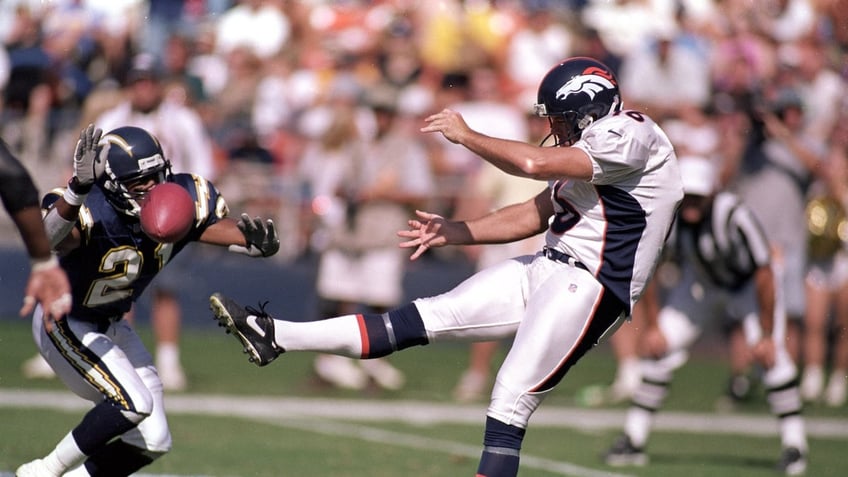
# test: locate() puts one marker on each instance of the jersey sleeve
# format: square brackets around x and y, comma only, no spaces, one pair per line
[210,206]
[618,146]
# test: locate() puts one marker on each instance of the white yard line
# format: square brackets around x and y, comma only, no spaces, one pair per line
[431,413]
[328,416]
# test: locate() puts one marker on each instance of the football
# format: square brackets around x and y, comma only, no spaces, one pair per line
[167,213]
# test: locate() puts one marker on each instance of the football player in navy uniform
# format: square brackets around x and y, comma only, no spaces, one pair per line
[613,188]
[94,226]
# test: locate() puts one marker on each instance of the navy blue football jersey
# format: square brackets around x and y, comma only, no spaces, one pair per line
[116,261]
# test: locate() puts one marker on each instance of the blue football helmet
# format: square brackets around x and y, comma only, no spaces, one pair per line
[575,93]
[133,155]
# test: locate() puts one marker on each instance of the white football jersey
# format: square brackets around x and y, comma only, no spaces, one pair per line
[616,223]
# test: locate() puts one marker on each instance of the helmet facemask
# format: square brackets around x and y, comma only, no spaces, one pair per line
[123,192]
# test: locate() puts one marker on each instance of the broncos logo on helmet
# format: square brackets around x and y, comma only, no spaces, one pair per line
[591,83]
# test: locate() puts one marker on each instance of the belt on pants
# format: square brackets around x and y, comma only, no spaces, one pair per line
[556,255]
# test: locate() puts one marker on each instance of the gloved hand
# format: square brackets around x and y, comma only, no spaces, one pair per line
[261,237]
[88,165]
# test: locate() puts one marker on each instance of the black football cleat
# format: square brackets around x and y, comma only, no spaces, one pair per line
[792,462]
[624,453]
[253,328]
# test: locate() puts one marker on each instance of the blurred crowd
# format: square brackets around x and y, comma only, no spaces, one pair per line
[288,97]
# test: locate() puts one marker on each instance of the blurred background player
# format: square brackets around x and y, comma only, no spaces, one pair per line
[779,163]
[825,350]
[725,268]
[47,284]
[93,226]
[377,181]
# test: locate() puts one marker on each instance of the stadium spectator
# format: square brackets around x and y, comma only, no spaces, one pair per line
[362,267]
[826,319]
[773,178]
[540,41]
[260,26]
[665,74]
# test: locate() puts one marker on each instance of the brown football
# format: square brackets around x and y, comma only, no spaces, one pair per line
[167,213]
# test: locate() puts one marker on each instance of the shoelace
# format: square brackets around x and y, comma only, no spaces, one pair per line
[260,313]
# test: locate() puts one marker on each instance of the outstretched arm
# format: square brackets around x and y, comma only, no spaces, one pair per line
[513,157]
[508,224]
[251,237]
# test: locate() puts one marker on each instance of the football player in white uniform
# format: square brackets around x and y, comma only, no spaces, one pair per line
[613,188]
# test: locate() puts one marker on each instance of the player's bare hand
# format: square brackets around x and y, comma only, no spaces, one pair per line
[764,352]
[448,122]
[429,230]
[49,286]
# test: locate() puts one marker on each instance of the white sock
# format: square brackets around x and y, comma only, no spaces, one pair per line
[792,433]
[339,335]
[638,425]
[65,455]
[167,355]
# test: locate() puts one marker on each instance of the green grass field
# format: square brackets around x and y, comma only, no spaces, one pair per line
[248,443]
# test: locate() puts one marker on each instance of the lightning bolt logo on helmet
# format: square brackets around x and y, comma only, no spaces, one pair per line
[592,81]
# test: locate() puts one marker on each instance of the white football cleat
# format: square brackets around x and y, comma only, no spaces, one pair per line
[812,383]
[340,371]
[173,378]
[35,468]
[37,368]
[384,374]
[472,386]
[835,393]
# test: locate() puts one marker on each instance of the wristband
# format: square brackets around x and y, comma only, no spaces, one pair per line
[41,264]
[250,250]
[78,188]
[72,198]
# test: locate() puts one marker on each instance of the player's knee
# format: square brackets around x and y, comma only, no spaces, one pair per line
[393,331]
[158,444]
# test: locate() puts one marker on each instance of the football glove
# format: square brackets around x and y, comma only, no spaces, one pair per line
[88,165]
[261,237]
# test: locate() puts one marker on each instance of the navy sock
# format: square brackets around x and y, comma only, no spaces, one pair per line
[117,459]
[501,449]
[100,425]
[392,331]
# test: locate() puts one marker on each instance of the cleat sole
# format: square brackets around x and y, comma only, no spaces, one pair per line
[225,320]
